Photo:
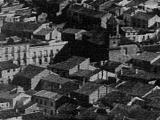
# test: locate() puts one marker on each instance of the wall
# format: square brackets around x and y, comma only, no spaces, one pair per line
[6,75]
[48,107]
[96,76]
[85,64]
[36,79]
[5,105]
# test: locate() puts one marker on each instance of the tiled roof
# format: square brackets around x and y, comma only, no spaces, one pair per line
[43,32]
[9,113]
[34,116]
[68,64]
[56,79]
[69,87]
[141,75]
[135,88]
[143,16]
[71,30]
[3,100]
[7,65]
[151,48]
[88,88]
[88,12]
[67,107]
[48,94]
[115,97]
[20,26]
[134,112]
[154,95]
[128,29]
[85,73]
[147,56]
[30,71]
[6,87]
[111,66]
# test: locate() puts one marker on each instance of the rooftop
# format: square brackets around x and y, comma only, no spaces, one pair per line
[115,97]
[30,71]
[141,75]
[7,65]
[20,26]
[147,56]
[128,29]
[111,66]
[68,64]
[43,31]
[71,30]
[135,88]
[134,112]
[48,95]
[88,88]
[56,79]
[9,113]
[85,73]
[143,15]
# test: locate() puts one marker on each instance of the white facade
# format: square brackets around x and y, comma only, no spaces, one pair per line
[24,54]
[7,75]
[43,54]
[152,21]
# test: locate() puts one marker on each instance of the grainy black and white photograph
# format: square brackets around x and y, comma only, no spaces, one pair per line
[79,59]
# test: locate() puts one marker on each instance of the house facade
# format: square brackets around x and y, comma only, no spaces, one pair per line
[49,101]
[89,93]
[7,71]
[70,66]
[30,76]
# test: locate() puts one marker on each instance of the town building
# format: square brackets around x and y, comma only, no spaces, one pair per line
[49,101]
[90,93]
[29,77]
[144,20]
[70,66]
[55,83]
[8,70]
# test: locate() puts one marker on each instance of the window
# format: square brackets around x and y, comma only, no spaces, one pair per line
[114,42]
[45,111]
[8,70]
[6,51]
[36,100]
[40,101]
[45,59]
[51,103]
[51,112]
[45,102]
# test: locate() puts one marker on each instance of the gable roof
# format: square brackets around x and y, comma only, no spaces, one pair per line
[20,27]
[9,113]
[48,94]
[135,88]
[111,66]
[30,71]
[143,15]
[7,65]
[140,76]
[68,64]
[147,56]
[71,30]
[85,73]
[43,31]
[56,79]
[88,88]
[128,29]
